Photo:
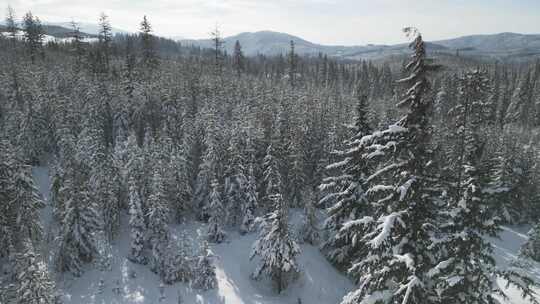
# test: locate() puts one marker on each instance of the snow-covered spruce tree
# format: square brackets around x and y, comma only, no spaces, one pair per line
[136,224]
[510,190]
[177,266]
[151,161]
[275,247]
[59,173]
[296,176]
[207,173]
[149,59]
[281,142]
[250,202]
[27,206]
[80,222]
[238,59]
[271,177]
[235,182]
[105,185]
[20,227]
[20,202]
[466,272]
[178,186]
[521,109]
[310,230]
[32,282]
[103,178]
[30,124]
[205,273]
[395,249]
[119,156]
[78,214]
[158,219]
[7,235]
[345,191]
[216,211]
[135,164]
[33,36]
[468,141]
[185,251]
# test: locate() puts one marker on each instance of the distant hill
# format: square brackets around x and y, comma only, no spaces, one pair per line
[275,43]
[504,45]
[62,32]
[496,45]
[90,28]
[56,31]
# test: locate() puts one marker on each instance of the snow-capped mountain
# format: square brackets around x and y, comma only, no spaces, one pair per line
[273,43]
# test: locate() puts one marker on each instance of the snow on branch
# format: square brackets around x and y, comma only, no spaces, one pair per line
[387,224]
[414,282]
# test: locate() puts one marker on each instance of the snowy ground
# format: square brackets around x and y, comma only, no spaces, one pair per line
[319,283]
[506,248]
[47,38]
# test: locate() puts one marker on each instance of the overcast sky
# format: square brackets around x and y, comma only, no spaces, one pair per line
[324,21]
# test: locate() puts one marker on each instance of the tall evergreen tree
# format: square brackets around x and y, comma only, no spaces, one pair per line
[467,269]
[216,211]
[250,202]
[510,191]
[158,219]
[205,274]
[77,43]
[149,57]
[19,204]
[346,191]
[33,36]
[207,172]
[178,185]
[521,109]
[136,224]
[34,285]
[235,183]
[276,248]
[310,230]
[105,37]
[238,59]
[80,222]
[217,44]
[271,176]
[11,23]
[293,64]
[395,239]
[296,178]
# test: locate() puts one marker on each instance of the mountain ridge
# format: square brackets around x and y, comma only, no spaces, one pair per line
[500,45]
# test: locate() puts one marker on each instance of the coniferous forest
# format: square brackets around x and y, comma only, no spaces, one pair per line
[399,171]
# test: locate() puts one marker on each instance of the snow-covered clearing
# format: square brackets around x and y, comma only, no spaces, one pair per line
[48,38]
[320,283]
[125,282]
[506,249]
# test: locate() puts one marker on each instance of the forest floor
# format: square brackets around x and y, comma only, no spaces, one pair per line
[505,248]
[125,282]
[319,283]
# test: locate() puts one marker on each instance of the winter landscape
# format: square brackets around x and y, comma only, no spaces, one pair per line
[187,154]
